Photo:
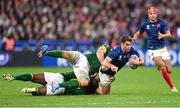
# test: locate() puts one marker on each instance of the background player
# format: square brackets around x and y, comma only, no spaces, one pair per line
[157,31]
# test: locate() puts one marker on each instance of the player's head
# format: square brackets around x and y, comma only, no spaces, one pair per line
[152,13]
[126,43]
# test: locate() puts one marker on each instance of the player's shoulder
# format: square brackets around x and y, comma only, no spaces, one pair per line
[161,20]
[146,23]
[117,49]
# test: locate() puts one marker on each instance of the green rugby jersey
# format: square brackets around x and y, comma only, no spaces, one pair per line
[94,62]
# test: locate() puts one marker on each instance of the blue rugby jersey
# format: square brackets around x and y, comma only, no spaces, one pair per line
[152,29]
[119,58]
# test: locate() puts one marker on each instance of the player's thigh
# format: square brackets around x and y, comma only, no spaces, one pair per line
[159,62]
[52,78]
[81,70]
[166,58]
[168,65]
[38,78]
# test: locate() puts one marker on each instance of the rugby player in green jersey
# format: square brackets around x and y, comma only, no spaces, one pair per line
[93,65]
[46,79]
[84,65]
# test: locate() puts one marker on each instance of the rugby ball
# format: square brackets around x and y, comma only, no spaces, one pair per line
[133,57]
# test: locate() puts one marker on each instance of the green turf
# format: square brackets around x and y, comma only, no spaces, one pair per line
[140,87]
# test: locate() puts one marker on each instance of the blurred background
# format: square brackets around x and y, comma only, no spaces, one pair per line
[81,25]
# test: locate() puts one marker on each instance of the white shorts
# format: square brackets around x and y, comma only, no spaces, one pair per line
[53,78]
[61,90]
[159,52]
[105,80]
[81,67]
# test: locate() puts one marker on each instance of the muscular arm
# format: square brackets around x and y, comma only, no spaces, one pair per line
[166,35]
[100,53]
[107,63]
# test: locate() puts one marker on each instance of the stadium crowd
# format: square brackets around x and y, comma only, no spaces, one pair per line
[100,21]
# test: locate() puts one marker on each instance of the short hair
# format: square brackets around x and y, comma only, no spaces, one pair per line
[152,8]
[126,38]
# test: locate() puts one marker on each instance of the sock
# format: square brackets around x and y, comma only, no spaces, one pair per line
[77,91]
[167,77]
[23,77]
[36,92]
[54,53]
[70,84]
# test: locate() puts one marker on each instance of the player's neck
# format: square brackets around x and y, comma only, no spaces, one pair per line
[153,21]
[123,49]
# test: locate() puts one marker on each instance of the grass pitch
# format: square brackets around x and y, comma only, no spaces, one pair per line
[143,87]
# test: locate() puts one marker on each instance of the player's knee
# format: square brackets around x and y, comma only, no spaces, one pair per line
[162,66]
[67,54]
[169,70]
[84,82]
[38,78]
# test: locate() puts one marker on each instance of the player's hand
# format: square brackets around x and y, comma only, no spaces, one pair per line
[114,68]
[55,87]
[160,36]
[40,54]
[134,62]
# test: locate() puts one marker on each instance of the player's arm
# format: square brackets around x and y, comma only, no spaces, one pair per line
[136,36]
[164,31]
[139,32]
[107,64]
[137,62]
[165,35]
[100,53]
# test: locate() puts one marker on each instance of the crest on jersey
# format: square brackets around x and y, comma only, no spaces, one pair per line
[147,27]
[158,25]
[128,56]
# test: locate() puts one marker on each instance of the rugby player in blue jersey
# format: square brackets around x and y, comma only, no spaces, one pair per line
[115,60]
[157,31]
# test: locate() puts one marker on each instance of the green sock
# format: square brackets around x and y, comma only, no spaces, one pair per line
[54,53]
[36,92]
[77,91]
[23,77]
[70,84]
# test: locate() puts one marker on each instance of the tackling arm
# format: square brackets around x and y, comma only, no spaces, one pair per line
[100,53]
[106,63]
